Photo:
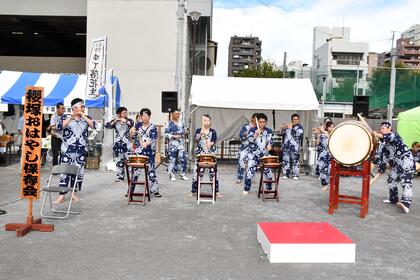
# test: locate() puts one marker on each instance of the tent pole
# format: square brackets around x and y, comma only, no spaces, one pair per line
[274,119]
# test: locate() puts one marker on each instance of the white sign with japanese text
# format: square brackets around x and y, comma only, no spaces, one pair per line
[95,74]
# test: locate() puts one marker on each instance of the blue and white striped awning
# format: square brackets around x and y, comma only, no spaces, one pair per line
[57,88]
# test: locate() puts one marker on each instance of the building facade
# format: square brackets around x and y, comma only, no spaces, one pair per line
[151,45]
[244,53]
[339,62]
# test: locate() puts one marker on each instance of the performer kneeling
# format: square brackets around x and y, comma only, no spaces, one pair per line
[122,143]
[260,143]
[145,137]
[73,148]
[175,132]
[243,149]
[324,159]
[205,138]
[402,166]
[293,138]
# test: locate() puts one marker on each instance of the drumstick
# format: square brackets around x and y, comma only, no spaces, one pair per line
[362,119]
[375,178]
[258,125]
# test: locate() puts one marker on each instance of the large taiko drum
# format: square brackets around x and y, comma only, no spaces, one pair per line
[206,161]
[351,143]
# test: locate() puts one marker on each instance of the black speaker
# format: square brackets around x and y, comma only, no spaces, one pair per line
[361,105]
[169,101]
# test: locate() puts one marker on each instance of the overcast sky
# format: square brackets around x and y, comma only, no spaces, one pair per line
[286,25]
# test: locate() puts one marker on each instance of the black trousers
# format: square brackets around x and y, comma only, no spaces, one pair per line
[55,147]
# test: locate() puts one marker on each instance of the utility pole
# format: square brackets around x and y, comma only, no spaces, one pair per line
[392,81]
[284,65]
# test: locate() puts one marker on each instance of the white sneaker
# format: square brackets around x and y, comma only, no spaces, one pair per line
[238,181]
[387,201]
[295,178]
[245,192]
[284,177]
[173,179]
[403,207]
[183,177]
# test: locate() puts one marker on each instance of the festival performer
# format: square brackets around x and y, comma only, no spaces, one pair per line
[324,161]
[292,143]
[122,144]
[74,143]
[260,143]
[243,149]
[175,133]
[205,138]
[318,148]
[145,137]
[402,166]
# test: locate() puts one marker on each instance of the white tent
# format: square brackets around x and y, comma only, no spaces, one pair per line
[231,102]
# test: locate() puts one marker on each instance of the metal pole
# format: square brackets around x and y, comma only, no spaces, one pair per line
[284,65]
[324,93]
[392,82]
[193,52]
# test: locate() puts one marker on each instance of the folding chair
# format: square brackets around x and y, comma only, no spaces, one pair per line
[65,169]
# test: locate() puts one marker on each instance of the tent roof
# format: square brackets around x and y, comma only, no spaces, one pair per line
[253,93]
[410,115]
[57,88]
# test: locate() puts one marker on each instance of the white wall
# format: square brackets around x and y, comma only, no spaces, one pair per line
[142,37]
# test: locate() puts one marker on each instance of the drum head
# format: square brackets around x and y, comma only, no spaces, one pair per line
[350,143]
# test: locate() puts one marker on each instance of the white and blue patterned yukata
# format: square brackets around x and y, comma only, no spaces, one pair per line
[324,159]
[292,142]
[211,136]
[258,148]
[243,151]
[73,148]
[122,144]
[402,164]
[141,135]
[176,150]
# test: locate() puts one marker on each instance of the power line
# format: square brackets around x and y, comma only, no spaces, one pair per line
[280,12]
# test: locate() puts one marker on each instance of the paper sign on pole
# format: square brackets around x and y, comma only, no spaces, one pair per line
[95,73]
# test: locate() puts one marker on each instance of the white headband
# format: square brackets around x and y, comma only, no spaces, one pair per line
[78,104]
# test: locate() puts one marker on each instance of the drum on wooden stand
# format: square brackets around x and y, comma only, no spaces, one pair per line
[351,143]
[206,160]
[138,159]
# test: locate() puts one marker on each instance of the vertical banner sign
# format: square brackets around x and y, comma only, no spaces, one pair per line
[95,74]
[31,143]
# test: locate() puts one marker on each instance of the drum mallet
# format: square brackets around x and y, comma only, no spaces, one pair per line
[375,178]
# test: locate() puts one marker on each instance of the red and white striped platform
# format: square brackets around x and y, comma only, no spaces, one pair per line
[305,243]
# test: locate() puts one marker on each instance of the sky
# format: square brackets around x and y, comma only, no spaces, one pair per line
[287,25]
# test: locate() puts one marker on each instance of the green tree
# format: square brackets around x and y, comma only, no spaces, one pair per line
[266,69]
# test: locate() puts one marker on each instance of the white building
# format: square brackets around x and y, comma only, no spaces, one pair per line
[413,34]
[301,70]
[335,58]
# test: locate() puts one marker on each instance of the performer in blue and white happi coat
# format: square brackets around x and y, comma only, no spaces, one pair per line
[292,143]
[260,143]
[122,144]
[74,145]
[402,165]
[145,137]
[175,133]
[205,138]
[324,158]
[243,149]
